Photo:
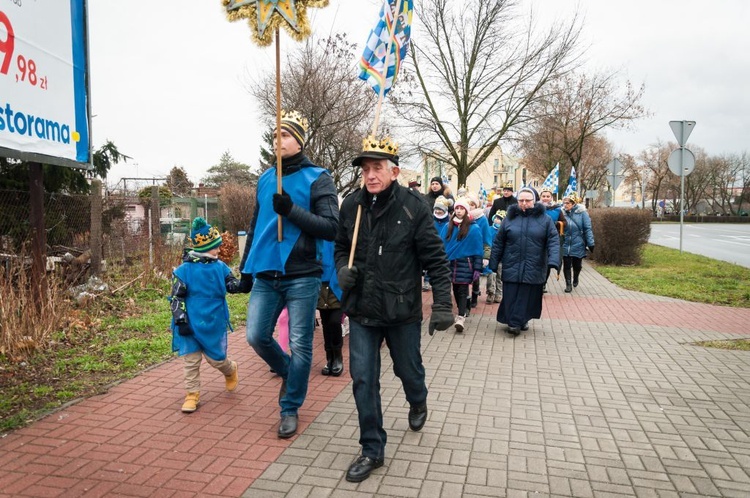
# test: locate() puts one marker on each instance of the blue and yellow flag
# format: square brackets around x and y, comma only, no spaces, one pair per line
[372,64]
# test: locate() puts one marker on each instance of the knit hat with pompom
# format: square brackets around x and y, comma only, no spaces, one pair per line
[203,236]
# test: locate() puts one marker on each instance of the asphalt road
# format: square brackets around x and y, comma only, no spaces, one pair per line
[725,241]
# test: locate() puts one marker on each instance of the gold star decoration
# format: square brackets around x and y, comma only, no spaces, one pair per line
[265,16]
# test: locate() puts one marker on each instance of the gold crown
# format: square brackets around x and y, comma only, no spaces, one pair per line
[295,117]
[384,145]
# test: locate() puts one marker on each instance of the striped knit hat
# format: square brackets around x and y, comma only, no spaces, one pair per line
[296,124]
[203,236]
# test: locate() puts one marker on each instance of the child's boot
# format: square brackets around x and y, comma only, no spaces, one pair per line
[232,379]
[191,402]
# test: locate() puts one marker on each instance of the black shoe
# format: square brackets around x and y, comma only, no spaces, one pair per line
[514,330]
[329,358]
[417,417]
[474,300]
[362,468]
[544,289]
[575,282]
[337,362]
[282,389]
[568,287]
[525,326]
[287,426]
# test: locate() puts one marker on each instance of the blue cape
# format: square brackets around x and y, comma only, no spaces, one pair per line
[266,252]
[468,247]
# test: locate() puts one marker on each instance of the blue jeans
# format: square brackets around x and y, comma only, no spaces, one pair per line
[268,298]
[364,364]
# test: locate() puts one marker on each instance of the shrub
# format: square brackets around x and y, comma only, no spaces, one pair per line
[620,234]
[236,203]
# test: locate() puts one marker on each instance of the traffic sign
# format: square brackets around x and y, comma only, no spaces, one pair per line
[615,181]
[614,167]
[681,161]
[682,130]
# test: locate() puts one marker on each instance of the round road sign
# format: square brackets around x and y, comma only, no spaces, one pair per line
[681,159]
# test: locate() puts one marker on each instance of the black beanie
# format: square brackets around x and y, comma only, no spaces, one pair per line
[438,179]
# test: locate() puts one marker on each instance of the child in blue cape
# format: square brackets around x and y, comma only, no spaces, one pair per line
[479,218]
[463,248]
[441,216]
[494,288]
[200,315]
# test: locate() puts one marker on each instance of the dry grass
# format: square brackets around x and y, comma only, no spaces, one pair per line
[29,314]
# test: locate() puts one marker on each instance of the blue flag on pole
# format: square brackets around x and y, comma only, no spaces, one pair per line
[553,180]
[572,183]
[373,58]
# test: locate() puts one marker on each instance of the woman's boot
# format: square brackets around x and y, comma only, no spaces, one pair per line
[329,360]
[568,286]
[337,362]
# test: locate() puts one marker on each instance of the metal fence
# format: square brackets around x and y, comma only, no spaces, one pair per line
[67,220]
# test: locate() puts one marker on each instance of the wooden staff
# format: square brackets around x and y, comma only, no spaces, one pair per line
[376,121]
[278,128]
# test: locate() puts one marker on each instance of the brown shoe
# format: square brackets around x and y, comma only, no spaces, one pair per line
[233,379]
[191,402]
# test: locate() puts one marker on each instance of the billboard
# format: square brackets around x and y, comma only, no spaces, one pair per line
[44,101]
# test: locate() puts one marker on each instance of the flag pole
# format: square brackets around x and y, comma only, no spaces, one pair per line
[376,120]
[278,128]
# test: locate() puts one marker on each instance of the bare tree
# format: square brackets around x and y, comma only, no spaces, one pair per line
[728,178]
[321,82]
[574,109]
[478,69]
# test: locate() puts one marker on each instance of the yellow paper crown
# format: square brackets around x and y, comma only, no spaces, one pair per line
[295,117]
[384,145]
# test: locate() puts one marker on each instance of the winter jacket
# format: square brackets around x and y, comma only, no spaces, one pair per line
[578,233]
[317,222]
[396,241]
[501,203]
[526,243]
[465,255]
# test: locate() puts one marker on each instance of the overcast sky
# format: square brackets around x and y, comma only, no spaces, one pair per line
[169,78]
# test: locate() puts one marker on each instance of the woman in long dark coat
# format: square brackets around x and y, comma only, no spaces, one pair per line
[526,244]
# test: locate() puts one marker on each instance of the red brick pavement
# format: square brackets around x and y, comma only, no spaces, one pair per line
[134,441]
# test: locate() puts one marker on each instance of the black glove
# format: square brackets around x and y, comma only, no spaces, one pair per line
[591,249]
[282,204]
[441,319]
[348,277]
[184,329]
[246,283]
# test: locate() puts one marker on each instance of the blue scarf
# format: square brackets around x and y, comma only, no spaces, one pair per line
[267,253]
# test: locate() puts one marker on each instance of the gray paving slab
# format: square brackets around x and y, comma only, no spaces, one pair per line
[585,407]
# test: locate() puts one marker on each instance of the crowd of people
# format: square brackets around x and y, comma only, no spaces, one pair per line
[368,260]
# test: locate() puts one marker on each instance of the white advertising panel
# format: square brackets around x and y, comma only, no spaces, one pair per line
[43,81]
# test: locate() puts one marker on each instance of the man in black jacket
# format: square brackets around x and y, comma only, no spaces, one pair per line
[504,202]
[287,273]
[382,296]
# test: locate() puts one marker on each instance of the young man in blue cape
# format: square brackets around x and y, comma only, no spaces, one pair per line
[287,273]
